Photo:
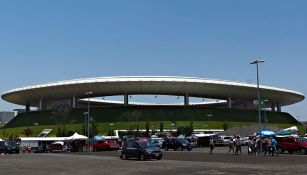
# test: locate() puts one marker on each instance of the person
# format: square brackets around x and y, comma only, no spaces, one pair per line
[231,146]
[238,145]
[211,144]
[256,146]
[250,145]
[266,146]
[274,145]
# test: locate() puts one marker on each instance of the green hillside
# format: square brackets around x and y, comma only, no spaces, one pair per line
[105,127]
[151,113]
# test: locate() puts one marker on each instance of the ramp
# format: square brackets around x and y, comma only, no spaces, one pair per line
[44,133]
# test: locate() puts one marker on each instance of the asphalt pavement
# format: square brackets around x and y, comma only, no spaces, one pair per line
[197,161]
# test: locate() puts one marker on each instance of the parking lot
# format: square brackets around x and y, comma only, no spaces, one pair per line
[198,161]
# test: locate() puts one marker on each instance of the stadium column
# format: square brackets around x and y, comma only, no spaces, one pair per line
[73,102]
[186,100]
[40,107]
[229,102]
[278,107]
[273,107]
[126,99]
[27,107]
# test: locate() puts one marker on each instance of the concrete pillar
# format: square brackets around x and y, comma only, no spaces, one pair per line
[273,107]
[278,107]
[74,102]
[28,107]
[40,105]
[186,100]
[126,99]
[229,102]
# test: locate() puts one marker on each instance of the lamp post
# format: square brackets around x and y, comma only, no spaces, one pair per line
[173,125]
[112,132]
[85,123]
[88,119]
[258,96]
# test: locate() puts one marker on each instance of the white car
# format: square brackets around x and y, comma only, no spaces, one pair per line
[225,139]
[157,141]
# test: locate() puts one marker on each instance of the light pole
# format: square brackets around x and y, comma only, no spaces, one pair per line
[258,96]
[112,132]
[88,119]
[173,125]
[85,123]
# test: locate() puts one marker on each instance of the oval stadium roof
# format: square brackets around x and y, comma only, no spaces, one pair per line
[164,85]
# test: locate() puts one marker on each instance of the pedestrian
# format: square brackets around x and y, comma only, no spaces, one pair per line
[250,145]
[238,145]
[231,146]
[256,146]
[274,145]
[211,144]
[266,146]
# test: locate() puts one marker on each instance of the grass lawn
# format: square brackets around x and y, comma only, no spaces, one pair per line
[104,127]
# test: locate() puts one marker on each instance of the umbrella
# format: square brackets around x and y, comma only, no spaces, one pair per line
[266,133]
[98,138]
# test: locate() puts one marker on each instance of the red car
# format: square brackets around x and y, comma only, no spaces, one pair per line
[292,144]
[142,139]
[102,145]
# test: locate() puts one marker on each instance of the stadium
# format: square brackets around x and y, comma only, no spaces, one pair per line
[218,101]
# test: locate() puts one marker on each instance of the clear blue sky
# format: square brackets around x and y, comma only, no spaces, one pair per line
[42,41]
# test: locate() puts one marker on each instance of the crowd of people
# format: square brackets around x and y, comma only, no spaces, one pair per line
[268,145]
[256,145]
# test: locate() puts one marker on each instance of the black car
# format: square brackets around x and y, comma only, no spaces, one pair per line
[42,149]
[9,147]
[140,150]
[177,144]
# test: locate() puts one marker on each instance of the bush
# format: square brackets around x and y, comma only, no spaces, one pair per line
[225,126]
[28,132]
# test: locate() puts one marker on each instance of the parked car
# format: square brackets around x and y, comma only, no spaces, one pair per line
[59,147]
[42,149]
[140,150]
[192,141]
[244,141]
[225,139]
[292,144]
[157,141]
[102,145]
[177,144]
[9,147]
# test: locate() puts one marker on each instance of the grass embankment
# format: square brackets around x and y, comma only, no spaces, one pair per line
[105,127]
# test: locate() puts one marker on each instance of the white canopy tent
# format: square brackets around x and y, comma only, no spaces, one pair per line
[76,136]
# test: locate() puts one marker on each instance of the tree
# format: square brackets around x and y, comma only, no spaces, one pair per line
[28,132]
[161,126]
[191,125]
[225,126]
[61,113]
[137,130]
[147,128]
[184,130]
[93,128]
[153,132]
[180,130]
